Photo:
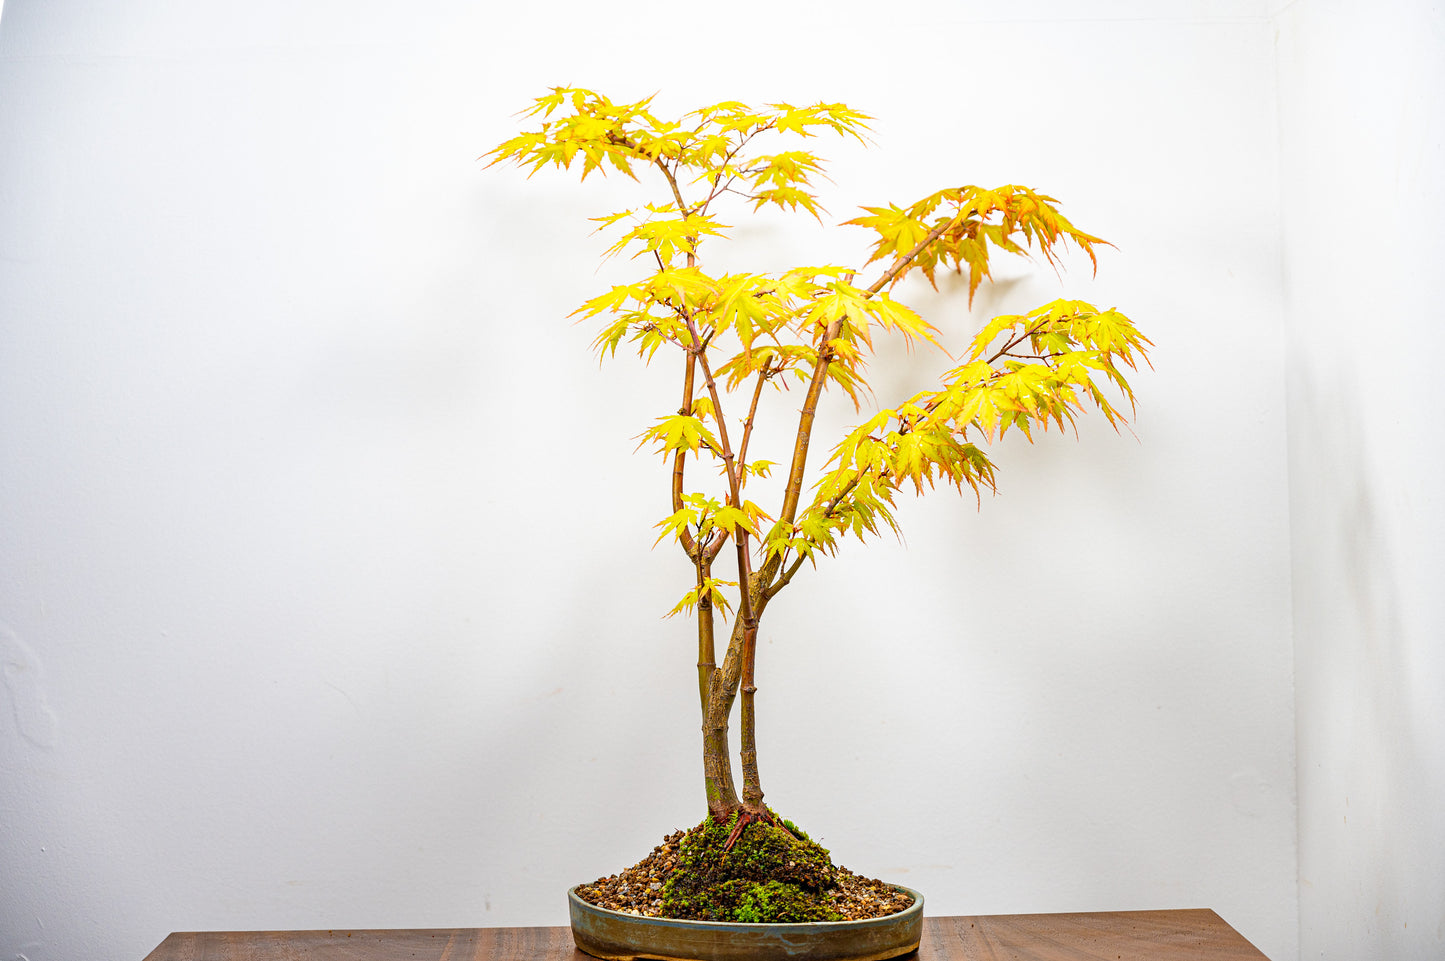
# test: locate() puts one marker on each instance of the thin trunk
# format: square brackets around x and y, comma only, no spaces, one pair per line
[760,595]
[701,559]
[725,684]
[706,658]
[752,783]
[722,798]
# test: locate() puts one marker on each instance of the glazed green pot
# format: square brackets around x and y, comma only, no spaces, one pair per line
[619,936]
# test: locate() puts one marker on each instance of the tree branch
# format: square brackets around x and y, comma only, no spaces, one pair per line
[717,178]
[905,259]
[763,376]
[679,464]
[1015,341]
[820,370]
[794,489]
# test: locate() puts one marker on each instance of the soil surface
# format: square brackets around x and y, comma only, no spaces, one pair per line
[638,890]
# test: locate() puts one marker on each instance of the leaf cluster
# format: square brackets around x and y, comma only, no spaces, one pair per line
[1035,370]
[814,327]
[712,148]
[957,226]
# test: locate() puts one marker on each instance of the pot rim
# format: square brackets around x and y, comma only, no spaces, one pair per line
[780,927]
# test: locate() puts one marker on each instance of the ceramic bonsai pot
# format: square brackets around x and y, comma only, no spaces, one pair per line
[618,936]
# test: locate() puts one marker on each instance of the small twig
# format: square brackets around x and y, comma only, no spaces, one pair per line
[905,259]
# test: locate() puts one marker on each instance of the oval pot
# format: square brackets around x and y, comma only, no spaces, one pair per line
[618,936]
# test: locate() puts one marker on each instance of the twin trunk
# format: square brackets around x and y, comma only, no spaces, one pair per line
[718,687]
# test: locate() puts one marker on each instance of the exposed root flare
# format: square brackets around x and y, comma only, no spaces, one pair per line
[748,816]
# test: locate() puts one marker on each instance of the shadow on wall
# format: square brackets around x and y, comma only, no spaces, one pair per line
[1361,758]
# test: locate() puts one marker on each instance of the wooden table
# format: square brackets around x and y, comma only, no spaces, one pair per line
[1193,935]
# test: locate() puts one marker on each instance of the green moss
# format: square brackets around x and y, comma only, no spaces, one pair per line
[779,902]
[769,875]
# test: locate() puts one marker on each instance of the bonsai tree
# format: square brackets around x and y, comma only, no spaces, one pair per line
[746,346]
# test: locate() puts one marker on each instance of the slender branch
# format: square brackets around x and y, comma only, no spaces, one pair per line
[622,140]
[1015,341]
[905,259]
[771,587]
[713,547]
[763,376]
[729,190]
[672,182]
[1044,357]
[679,463]
[731,471]
[717,178]
[706,651]
[682,208]
[730,467]
[785,577]
[820,370]
[794,489]
[847,489]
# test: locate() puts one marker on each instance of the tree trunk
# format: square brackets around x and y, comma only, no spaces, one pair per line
[722,796]
[752,783]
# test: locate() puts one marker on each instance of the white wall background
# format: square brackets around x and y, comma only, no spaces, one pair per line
[1366,454]
[326,597]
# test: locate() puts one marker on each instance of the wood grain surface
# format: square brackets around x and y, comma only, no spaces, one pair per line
[1190,935]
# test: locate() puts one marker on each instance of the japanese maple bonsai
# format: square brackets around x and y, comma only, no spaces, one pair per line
[735,337]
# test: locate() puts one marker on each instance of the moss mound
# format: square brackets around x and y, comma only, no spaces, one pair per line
[768,876]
